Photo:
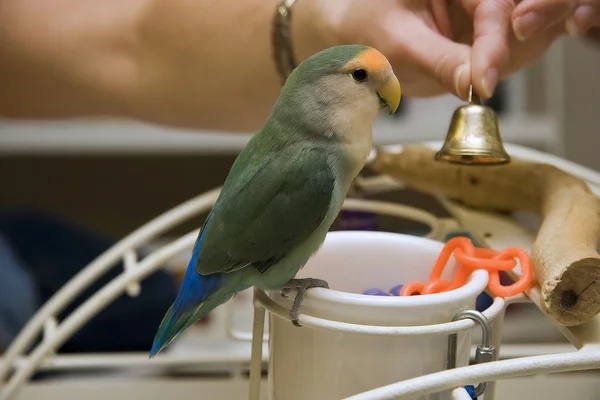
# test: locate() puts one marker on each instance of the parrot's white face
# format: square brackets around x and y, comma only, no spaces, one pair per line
[355,96]
[338,95]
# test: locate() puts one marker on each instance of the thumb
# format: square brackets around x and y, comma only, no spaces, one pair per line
[445,62]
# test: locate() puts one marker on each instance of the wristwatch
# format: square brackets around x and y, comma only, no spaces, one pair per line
[283,51]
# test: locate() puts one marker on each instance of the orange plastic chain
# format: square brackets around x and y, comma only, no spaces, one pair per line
[469,259]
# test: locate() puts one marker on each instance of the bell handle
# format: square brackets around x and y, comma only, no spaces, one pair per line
[473,97]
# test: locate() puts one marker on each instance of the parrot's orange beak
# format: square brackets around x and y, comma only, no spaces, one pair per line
[390,93]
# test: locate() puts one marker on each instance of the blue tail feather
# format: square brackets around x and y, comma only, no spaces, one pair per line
[194,291]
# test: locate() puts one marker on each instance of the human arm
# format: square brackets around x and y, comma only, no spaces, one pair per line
[209,64]
[189,63]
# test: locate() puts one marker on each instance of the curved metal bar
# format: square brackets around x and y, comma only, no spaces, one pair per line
[584,359]
[91,307]
[396,210]
[404,331]
[97,268]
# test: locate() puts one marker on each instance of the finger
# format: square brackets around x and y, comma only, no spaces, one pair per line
[523,53]
[585,16]
[491,23]
[439,10]
[445,61]
[530,16]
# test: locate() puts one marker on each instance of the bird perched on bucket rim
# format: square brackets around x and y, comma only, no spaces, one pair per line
[287,185]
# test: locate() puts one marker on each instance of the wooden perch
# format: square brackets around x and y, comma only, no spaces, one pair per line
[565,258]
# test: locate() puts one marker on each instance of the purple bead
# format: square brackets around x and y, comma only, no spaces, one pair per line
[396,290]
[351,220]
[375,292]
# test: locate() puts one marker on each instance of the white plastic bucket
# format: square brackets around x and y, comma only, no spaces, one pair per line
[316,364]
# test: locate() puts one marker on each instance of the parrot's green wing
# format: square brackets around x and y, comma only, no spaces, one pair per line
[278,208]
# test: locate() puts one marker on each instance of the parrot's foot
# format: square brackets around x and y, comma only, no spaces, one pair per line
[302,285]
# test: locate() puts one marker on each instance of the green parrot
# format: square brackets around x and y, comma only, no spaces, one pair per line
[287,185]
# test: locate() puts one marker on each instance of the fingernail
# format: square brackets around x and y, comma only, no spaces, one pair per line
[584,17]
[460,72]
[489,82]
[528,24]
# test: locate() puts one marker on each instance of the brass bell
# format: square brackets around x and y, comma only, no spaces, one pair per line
[473,136]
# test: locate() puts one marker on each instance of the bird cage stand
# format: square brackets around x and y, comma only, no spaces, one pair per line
[27,354]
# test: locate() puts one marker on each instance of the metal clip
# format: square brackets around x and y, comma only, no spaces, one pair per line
[484,352]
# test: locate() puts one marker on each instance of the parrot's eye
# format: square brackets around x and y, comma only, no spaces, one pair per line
[360,75]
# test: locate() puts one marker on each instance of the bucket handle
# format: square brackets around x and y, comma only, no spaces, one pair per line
[237,334]
[485,352]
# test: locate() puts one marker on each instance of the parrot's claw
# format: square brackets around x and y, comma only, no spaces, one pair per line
[302,285]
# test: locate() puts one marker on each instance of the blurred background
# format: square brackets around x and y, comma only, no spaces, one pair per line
[114,175]
[70,189]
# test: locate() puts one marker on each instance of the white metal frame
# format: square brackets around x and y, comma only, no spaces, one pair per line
[17,366]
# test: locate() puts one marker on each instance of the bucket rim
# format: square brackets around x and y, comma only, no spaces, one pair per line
[475,285]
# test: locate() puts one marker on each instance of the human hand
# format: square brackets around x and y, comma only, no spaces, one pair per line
[577,16]
[434,46]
